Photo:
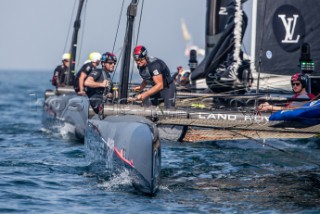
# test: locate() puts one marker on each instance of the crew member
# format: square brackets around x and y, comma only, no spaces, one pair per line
[298,83]
[185,78]
[156,73]
[177,75]
[98,82]
[84,71]
[60,73]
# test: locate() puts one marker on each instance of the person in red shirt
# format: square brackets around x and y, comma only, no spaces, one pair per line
[298,83]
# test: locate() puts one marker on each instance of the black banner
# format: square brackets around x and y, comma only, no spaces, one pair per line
[282,27]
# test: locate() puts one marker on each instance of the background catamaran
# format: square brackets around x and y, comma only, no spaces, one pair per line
[259,38]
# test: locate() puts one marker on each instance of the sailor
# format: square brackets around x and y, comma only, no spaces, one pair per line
[156,73]
[98,82]
[177,75]
[298,83]
[185,78]
[84,71]
[182,78]
[60,73]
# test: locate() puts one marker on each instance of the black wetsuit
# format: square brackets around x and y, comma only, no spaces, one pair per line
[86,68]
[168,93]
[60,76]
[96,94]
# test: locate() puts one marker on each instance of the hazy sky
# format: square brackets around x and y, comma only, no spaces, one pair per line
[34,32]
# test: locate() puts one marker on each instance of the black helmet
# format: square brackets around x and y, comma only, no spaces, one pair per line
[299,77]
[108,57]
[140,52]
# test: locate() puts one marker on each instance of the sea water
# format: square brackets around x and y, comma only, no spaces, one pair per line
[47,172]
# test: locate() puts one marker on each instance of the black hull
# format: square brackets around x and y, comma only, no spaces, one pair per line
[66,109]
[131,142]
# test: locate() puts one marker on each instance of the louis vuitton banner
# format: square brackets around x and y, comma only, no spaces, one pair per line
[282,27]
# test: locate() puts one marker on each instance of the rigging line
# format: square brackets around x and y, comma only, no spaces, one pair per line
[116,66]
[120,55]
[82,33]
[69,28]
[140,19]
[220,84]
[266,79]
[260,52]
[137,37]
[276,148]
[115,39]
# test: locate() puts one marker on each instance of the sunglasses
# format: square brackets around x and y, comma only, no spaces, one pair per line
[110,63]
[139,60]
[186,75]
[296,84]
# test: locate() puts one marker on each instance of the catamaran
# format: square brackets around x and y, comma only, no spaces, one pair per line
[226,86]
[138,150]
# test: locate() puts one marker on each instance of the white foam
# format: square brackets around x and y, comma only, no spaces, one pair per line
[117,180]
[67,131]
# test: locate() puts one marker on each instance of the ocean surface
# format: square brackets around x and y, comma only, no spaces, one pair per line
[45,172]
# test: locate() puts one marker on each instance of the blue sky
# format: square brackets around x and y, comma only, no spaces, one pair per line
[34,32]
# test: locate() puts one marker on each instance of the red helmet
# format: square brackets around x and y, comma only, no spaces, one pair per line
[299,77]
[140,52]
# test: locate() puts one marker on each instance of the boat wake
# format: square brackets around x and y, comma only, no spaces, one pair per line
[110,180]
[60,130]
[117,181]
[67,131]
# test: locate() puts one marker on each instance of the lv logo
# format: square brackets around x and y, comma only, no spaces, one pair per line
[289,25]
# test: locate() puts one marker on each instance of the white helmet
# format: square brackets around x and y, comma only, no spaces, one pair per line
[95,57]
[66,56]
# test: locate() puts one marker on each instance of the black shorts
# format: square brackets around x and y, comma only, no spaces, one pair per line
[166,95]
[96,102]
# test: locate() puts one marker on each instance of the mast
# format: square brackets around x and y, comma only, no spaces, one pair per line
[74,42]
[125,67]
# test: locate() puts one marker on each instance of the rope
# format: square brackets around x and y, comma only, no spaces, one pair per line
[140,19]
[116,66]
[107,89]
[82,32]
[115,39]
[70,23]
[260,53]
[137,37]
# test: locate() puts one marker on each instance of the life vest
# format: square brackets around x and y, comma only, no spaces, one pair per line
[154,67]
[86,68]
[99,76]
[58,75]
